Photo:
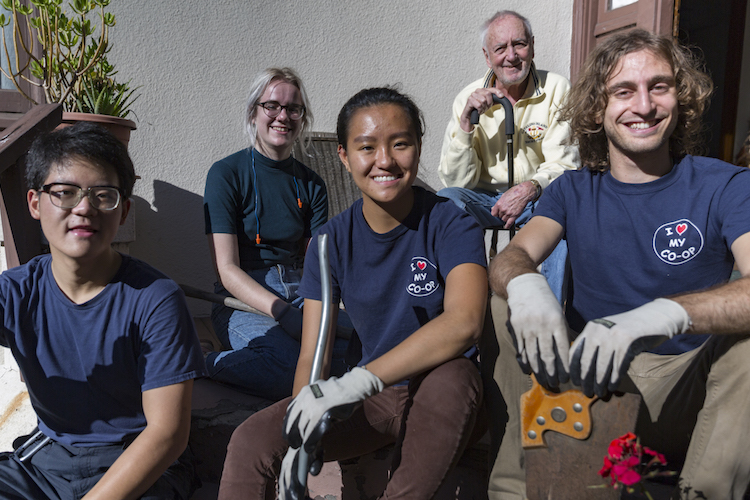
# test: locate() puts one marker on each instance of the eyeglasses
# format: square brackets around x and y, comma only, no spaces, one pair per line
[273,108]
[68,196]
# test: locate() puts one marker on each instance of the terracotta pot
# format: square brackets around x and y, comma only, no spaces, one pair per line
[120,127]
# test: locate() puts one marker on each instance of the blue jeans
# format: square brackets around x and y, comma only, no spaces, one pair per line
[479,204]
[262,357]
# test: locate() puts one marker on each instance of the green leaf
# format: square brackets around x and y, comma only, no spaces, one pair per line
[80,7]
[36,70]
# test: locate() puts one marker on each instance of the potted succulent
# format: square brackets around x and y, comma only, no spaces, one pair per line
[65,53]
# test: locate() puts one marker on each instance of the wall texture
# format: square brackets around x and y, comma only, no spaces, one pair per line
[195,60]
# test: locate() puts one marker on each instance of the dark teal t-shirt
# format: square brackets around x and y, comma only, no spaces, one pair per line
[246,201]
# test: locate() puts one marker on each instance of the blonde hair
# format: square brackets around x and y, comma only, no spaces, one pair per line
[257,89]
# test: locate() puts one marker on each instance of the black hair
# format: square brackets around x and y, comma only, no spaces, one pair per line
[83,140]
[373,97]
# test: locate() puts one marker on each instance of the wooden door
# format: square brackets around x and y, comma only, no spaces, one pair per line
[594,20]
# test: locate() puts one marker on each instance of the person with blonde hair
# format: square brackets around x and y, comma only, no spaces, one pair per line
[261,208]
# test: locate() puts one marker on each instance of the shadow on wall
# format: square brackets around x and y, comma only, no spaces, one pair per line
[171,237]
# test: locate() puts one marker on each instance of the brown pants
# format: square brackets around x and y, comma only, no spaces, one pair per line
[431,422]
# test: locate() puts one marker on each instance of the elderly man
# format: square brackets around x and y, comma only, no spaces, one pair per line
[653,234]
[473,163]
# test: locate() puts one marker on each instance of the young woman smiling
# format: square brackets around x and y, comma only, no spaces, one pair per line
[410,269]
[261,208]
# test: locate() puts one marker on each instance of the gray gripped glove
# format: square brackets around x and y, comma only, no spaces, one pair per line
[541,332]
[290,319]
[305,413]
[602,353]
[290,487]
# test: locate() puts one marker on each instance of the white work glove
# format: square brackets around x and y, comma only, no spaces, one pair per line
[602,353]
[305,412]
[290,487]
[537,321]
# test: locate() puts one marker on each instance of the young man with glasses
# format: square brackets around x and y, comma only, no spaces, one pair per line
[105,342]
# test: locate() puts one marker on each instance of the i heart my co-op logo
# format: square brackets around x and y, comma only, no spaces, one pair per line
[424,277]
[677,242]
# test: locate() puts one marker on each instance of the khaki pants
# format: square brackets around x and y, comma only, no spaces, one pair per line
[698,407]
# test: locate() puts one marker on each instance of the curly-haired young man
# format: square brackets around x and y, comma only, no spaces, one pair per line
[653,234]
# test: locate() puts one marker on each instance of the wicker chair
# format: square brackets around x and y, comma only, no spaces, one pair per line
[323,158]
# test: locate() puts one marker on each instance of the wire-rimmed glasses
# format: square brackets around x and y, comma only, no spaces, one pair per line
[68,196]
[273,108]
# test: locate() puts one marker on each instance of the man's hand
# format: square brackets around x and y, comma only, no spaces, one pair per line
[536,319]
[601,354]
[481,100]
[511,204]
[305,411]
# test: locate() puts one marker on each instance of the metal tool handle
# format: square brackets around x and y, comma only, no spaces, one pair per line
[316,372]
[326,297]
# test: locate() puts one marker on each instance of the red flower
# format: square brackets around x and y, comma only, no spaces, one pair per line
[625,473]
[627,463]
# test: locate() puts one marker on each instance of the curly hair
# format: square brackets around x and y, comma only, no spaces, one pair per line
[587,100]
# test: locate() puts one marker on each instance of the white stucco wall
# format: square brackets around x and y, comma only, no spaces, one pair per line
[195,60]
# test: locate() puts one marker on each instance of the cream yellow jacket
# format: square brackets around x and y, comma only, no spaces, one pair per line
[479,159]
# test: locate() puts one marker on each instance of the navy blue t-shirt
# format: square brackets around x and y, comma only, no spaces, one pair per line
[86,365]
[229,206]
[392,284]
[632,243]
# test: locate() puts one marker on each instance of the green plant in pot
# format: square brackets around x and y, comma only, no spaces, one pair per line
[64,51]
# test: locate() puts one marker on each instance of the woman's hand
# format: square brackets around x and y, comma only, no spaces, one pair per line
[290,319]
[305,412]
[226,255]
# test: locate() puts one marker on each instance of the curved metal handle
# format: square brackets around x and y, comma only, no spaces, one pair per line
[326,296]
[316,372]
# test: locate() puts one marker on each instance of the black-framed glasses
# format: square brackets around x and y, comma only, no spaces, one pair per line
[68,196]
[273,108]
